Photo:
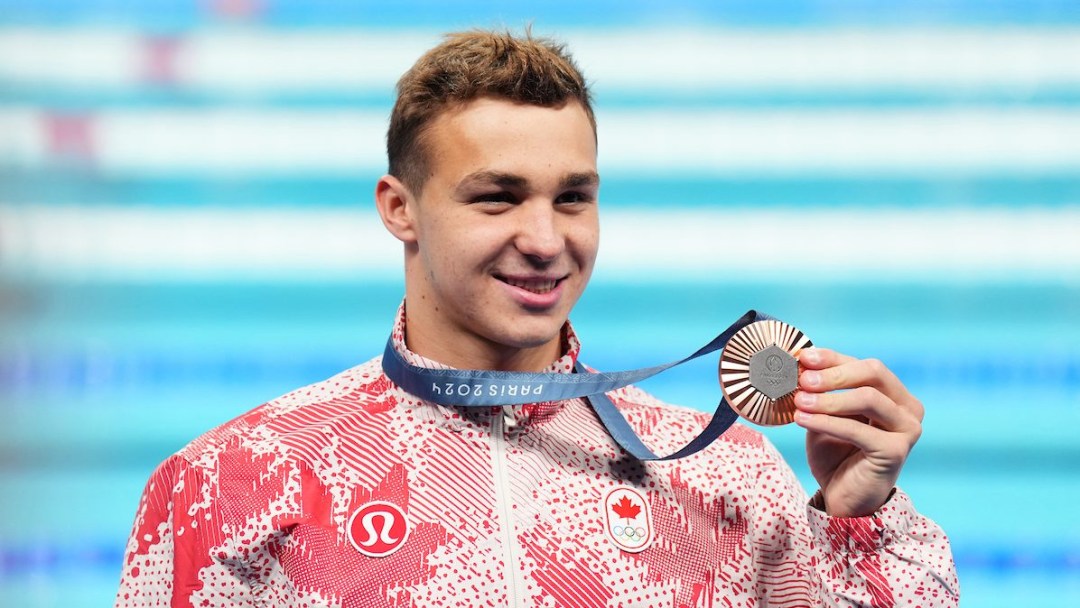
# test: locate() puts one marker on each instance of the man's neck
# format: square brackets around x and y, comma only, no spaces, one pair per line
[473,352]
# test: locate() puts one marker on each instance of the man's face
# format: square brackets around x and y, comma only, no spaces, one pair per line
[506,226]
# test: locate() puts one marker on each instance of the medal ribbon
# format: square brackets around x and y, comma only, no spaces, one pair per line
[487,388]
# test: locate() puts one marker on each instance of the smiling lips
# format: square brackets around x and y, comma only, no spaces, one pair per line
[538,285]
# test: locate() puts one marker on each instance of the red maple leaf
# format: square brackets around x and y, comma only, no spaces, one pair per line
[626,509]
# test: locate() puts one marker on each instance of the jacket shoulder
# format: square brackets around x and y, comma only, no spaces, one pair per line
[363,387]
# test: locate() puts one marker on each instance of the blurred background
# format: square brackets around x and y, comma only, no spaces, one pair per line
[187,231]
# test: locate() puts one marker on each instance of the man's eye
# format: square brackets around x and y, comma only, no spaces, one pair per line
[573,197]
[494,197]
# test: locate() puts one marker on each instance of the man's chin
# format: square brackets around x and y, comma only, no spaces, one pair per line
[527,335]
[527,342]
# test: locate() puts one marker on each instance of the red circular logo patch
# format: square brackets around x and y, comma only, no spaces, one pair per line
[378,528]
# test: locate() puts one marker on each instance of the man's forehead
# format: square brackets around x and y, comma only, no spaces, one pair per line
[491,142]
[489,109]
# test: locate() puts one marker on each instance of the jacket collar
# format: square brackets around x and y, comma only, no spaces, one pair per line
[514,416]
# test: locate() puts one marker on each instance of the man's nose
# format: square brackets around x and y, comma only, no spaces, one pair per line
[539,234]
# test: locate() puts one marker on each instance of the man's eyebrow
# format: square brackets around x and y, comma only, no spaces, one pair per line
[494,178]
[512,180]
[577,180]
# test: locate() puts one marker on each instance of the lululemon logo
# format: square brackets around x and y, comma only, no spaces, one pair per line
[378,528]
[627,520]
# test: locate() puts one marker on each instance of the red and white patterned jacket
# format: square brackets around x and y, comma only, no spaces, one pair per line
[350,492]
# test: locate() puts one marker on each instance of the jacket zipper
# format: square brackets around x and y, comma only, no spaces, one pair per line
[502,499]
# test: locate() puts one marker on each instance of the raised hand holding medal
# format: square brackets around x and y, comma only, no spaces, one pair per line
[857,439]
[861,424]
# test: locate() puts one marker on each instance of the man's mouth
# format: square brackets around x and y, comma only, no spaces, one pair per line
[534,285]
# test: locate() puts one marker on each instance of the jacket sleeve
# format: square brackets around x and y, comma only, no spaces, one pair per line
[177,554]
[894,558]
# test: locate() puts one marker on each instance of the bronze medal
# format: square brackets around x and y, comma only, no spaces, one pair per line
[759,371]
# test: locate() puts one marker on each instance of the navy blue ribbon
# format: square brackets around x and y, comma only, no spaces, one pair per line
[487,388]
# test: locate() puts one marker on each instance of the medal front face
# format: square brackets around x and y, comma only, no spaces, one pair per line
[759,371]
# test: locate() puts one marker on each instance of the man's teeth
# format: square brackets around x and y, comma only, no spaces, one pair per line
[533,286]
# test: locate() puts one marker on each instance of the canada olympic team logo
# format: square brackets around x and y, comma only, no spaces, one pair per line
[627,520]
[378,528]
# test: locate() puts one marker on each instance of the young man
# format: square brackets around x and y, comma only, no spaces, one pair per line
[353,492]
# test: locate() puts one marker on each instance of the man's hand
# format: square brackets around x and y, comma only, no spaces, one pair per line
[858,439]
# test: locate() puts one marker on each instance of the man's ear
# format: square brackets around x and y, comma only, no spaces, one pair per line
[396,207]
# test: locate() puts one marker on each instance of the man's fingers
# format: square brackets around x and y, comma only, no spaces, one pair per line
[886,448]
[821,358]
[866,402]
[826,370]
[847,372]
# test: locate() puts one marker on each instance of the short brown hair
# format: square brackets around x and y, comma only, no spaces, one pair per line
[469,65]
